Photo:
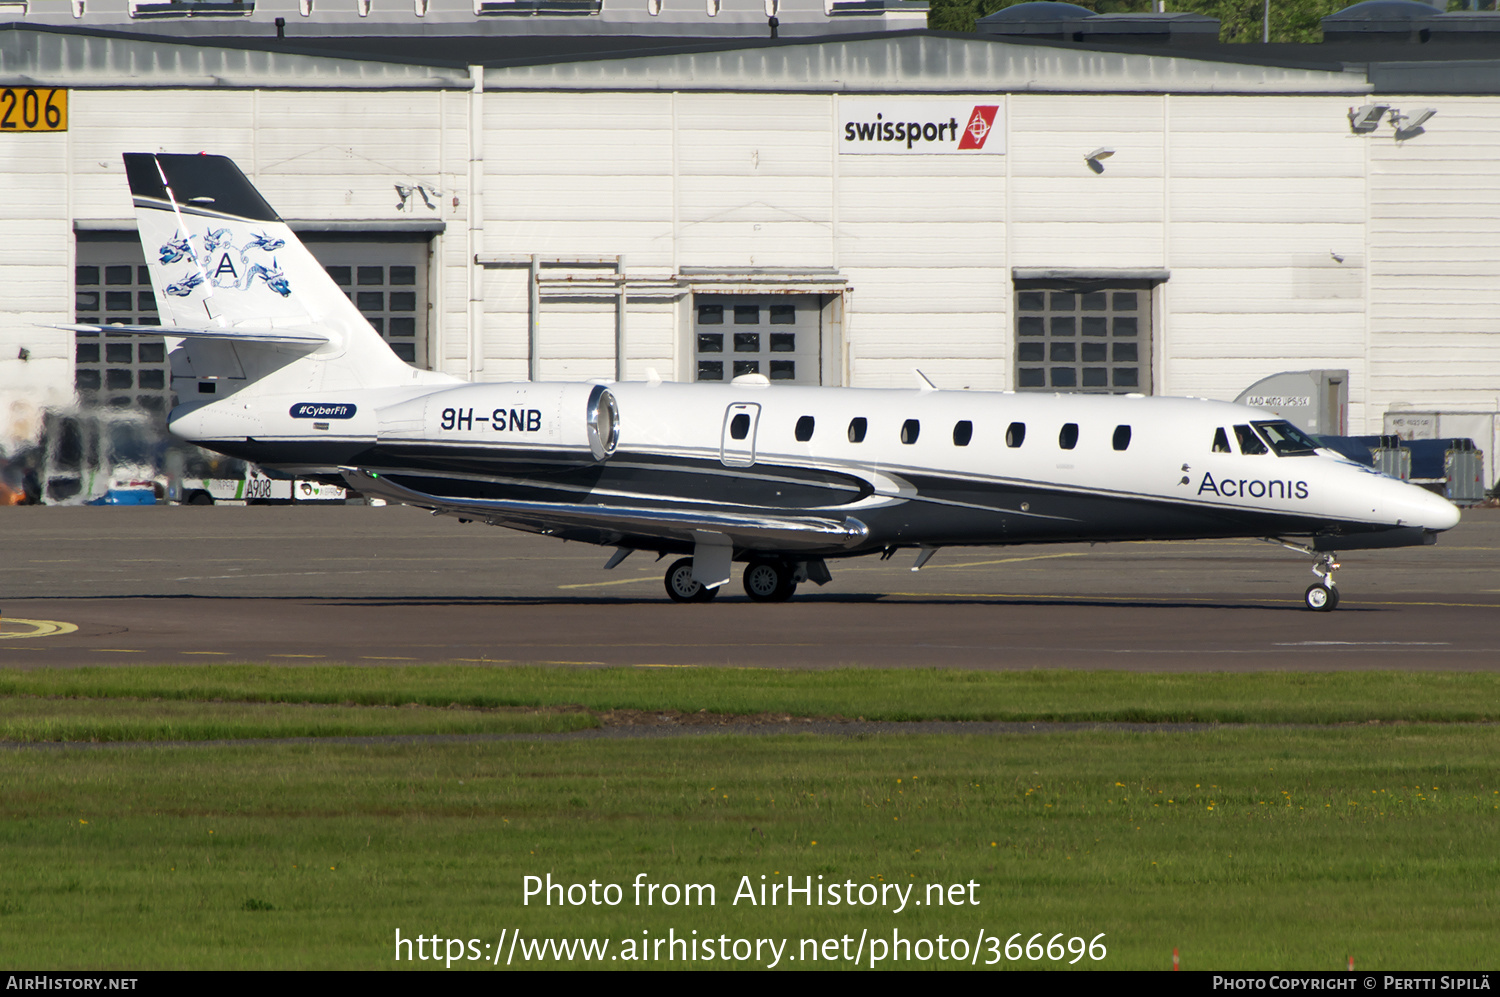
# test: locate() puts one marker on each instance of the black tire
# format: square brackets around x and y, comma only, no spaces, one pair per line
[680,584]
[769,581]
[200,498]
[1321,598]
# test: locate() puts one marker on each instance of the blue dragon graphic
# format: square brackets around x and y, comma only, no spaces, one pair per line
[215,238]
[184,287]
[261,240]
[273,277]
[175,250]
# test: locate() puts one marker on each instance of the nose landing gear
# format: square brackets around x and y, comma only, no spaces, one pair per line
[1321,596]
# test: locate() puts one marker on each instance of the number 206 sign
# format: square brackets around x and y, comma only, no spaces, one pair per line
[33,109]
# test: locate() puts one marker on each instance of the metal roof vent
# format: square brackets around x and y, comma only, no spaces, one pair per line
[1040,10]
[1051,21]
[1408,21]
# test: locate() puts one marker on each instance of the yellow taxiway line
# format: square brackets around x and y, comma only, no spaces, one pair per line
[35,628]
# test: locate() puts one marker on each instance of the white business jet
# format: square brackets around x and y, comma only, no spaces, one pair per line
[274,364]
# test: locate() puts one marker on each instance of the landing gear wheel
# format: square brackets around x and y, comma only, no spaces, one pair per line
[1321,598]
[769,581]
[682,588]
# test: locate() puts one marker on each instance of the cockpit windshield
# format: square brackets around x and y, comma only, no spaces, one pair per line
[1250,443]
[1286,439]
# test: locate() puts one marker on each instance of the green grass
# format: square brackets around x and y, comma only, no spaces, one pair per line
[1243,848]
[1272,848]
[30,719]
[896,694]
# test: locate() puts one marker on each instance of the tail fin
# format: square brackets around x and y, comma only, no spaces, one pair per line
[229,274]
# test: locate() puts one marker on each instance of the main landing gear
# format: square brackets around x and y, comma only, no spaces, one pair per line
[765,581]
[770,581]
[682,587]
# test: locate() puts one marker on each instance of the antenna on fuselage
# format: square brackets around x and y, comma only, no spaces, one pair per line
[924,383]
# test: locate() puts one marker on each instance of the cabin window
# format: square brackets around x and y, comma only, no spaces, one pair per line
[963,432]
[1122,437]
[1249,442]
[857,427]
[804,429]
[1015,434]
[1221,441]
[1083,334]
[910,429]
[739,426]
[1068,437]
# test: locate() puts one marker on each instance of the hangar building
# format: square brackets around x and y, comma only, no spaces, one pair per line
[575,189]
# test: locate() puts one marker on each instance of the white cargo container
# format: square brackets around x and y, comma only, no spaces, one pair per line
[1481,427]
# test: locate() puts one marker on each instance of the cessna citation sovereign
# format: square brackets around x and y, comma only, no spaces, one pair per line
[275,365]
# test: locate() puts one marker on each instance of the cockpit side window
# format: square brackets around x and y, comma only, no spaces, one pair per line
[1249,442]
[1286,439]
[1221,441]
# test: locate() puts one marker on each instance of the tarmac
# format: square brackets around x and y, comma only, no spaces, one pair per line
[126,586]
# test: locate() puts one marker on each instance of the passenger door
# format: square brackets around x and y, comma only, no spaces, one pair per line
[737,441]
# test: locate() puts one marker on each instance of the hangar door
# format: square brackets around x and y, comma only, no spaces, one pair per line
[776,335]
[385,277]
[1083,335]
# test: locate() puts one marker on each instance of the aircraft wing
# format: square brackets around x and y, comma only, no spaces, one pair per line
[610,523]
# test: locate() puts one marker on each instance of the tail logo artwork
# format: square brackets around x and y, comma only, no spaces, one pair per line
[217,263]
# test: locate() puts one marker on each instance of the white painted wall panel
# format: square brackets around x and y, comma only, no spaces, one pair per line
[1261,245]
[884,373]
[911,291]
[921,336]
[1123,201]
[1435,258]
[1252,199]
[1087,244]
[1290,335]
[650,339]
[1321,285]
[578,329]
[891,244]
[920,198]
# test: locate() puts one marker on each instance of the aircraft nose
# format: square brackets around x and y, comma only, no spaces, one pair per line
[1440,513]
[1436,513]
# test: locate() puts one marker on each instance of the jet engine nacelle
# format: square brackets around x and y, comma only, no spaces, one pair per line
[577,418]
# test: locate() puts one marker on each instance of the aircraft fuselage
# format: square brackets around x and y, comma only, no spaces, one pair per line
[912,467]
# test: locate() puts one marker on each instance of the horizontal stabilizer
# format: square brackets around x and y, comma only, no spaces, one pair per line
[746,530]
[296,337]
